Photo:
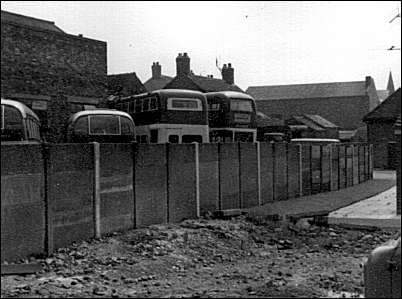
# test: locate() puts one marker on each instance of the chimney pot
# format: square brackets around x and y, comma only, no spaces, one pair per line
[228,74]
[156,70]
[182,64]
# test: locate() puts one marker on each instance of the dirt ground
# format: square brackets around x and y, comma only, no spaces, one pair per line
[208,258]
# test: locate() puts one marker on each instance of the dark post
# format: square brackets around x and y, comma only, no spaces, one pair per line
[397,132]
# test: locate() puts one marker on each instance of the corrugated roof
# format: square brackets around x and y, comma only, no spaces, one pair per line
[213,84]
[301,119]
[307,91]
[388,109]
[320,121]
[29,21]
[159,83]
[264,120]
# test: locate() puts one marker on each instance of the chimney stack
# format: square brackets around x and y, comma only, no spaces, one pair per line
[228,73]
[156,70]
[182,64]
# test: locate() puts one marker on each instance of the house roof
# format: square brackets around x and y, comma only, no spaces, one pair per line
[304,91]
[125,84]
[313,121]
[34,23]
[390,108]
[208,84]
[264,120]
[157,83]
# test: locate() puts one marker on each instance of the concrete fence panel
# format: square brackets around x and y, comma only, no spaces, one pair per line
[116,187]
[22,201]
[361,164]
[150,188]
[325,168]
[355,150]
[334,168]
[315,169]
[342,166]
[181,182]
[70,191]
[294,171]
[209,177]
[229,176]
[248,175]
[306,170]
[267,172]
[280,171]
[367,162]
[349,165]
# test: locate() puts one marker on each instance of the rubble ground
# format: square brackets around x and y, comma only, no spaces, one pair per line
[207,258]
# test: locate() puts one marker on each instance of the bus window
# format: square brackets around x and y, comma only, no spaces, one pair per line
[145,105]
[81,126]
[144,139]
[154,136]
[184,104]
[174,138]
[12,124]
[138,105]
[191,138]
[104,124]
[241,105]
[131,107]
[33,128]
[244,136]
[153,104]
[126,126]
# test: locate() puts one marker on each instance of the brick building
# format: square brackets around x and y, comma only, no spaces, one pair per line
[186,79]
[43,66]
[380,130]
[342,103]
[157,81]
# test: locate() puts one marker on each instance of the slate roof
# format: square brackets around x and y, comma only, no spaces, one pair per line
[313,121]
[208,84]
[390,108]
[308,91]
[34,23]
[125,84]
[157,83]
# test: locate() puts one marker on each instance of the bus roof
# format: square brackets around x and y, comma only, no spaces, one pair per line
[97,112]
[24,109]
[314,140]
[169,92]
[231,94]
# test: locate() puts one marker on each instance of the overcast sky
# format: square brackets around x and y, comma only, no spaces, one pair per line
[268,43]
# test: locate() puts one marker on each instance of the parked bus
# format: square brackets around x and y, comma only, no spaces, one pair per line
[18,123]
[168,115]
[100,125]
[232,117]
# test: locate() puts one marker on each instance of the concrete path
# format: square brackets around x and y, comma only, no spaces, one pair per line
[377,211]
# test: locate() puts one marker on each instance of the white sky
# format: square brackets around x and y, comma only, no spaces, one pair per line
[277,43]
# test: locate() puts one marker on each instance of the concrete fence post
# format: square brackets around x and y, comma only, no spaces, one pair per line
[300,153]
[197,178]
[371,162]
[48,206]
[258,148]
[96,201]
[240,180]
[134,151]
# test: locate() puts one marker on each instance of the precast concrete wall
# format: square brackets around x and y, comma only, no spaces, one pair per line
[248,175]
[116,187]
[294,170]
[229,177]
[267,172]
[23,223]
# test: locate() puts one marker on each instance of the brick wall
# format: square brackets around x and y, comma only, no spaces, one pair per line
[379,133]
[40,62]
[347,112]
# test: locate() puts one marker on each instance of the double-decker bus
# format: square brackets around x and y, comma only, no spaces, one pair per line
[18,123]
[232,117]
[168,115]
[100,125]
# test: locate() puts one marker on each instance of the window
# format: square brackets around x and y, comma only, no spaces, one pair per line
[244,136]
[125,107]
[191,138]
[131,107]
[184,104]
[138,105]
[12,126]
[33,128]
[127,127]
[214,106]
[241,105]
[144,138]
[174,138]
[154,136]
[145,105]
[153,104]
[104,125]
[81,126]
